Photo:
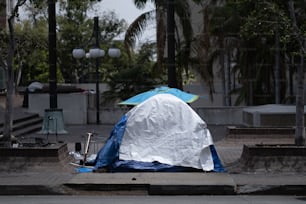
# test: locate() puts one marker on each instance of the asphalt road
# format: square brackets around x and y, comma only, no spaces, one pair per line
[152,199]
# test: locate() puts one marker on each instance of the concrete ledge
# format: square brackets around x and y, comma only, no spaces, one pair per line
[270,183]
[191,190]
[109,188]
[260,131]
[48,151]
[156,183]
[22,158]
[272,189]
[27,190]
[270,115]
[273,158]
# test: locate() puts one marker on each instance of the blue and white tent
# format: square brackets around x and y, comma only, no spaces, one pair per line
[161,134]
[139,98]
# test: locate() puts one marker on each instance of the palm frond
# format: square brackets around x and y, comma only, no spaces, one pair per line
[136,29]
[140,4]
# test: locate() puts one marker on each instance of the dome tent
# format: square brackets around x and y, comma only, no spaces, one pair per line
[161,134]
[141,97]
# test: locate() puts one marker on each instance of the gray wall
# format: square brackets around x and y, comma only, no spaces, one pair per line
[79,108]
[74,106]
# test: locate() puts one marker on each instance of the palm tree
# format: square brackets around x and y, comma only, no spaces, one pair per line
[182,12]
[255,26]
[207,45]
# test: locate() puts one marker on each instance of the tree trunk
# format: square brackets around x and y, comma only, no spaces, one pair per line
[8,115]
[160,39]
[172,81]
[276,67]
[300,129]
[9,72]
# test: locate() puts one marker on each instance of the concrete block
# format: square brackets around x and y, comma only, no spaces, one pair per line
[271,115]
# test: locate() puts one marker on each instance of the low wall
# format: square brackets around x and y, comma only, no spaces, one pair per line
[79,108]
[221,115]
[74,106]
[34,158]
[108,116]
[273,158]
[211,115]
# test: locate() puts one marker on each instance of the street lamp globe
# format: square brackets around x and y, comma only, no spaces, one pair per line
[96,52]
[78,53]
[101,53]
[114,52]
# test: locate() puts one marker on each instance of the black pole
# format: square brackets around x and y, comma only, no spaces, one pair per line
[171,45]
[52,54]
[276,66]
[96,33]
[53,112]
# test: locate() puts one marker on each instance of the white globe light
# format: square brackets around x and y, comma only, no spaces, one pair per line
[78,53]
[87,55]
[102,53]
[114,52]
[94,53]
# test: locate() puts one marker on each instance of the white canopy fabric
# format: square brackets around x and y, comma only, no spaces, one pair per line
[166,129]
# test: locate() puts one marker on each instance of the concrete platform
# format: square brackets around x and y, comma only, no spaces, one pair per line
[34,158]
[271,115]
[156,183]
[273,158]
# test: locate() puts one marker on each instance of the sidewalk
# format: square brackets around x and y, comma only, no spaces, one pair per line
[52,180]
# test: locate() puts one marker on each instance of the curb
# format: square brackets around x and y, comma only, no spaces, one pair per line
[155,183]
[28,190]
[271,190]
[101,187]
[154,189]
[192,190]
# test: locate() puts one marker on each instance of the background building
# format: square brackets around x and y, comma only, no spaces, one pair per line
[221,95]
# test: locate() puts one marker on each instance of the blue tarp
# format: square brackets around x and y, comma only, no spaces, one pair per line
[108,156]
[139,98]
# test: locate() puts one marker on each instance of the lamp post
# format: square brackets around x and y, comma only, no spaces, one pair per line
[172,82]
[53,119]
[96,53]
[52,54]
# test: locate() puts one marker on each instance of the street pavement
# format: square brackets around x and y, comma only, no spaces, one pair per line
[130,199]
[51,179]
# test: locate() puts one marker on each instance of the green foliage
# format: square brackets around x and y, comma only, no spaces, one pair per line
[265,21]
[76,33]
[32,47]
[124,75]
[74,29]
[256,24]
[135,78]
[183,35]
[225,20]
